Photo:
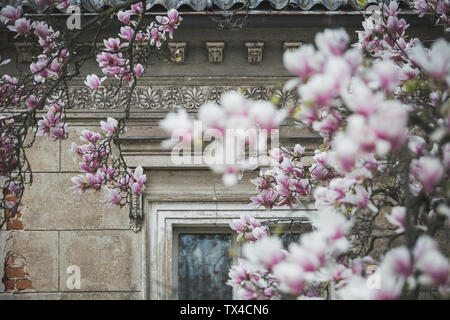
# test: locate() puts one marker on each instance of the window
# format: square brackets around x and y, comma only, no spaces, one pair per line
[202,259]
[190,246]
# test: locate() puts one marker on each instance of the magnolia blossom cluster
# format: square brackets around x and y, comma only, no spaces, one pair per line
[286,182]
[382,110]
[249,228]
[235,123]
[425,265]
[384,35]
[438,8]
[268,271]
[100,170]
[48,65]
[114,61]
[44,70]
[53,124]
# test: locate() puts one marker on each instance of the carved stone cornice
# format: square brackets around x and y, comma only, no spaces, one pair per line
[164,96]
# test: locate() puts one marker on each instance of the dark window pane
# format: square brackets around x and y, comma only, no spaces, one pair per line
[288,238]
[203,265]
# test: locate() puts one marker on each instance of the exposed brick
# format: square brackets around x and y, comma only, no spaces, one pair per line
[14,224]
[9,284]
[14,272]
[9,260]
[23,284]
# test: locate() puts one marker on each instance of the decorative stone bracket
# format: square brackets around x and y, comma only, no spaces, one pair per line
[177,51]
[291,45]
[136,214]
[255,52]
[24,52]
[215,51]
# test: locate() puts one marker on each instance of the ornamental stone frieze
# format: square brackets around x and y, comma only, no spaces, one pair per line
[165,97]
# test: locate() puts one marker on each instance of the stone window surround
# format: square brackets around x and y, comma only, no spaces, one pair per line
[162,217]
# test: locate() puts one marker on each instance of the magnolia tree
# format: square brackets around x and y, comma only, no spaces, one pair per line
[381,106]
[62,52]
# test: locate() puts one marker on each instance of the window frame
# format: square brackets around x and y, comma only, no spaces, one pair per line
[164,218]
[235,246]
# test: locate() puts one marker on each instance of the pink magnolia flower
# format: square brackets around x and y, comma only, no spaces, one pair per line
[332,42]
[358,196]
[428,171]
[238,273]
[355,289]
[361,99]
[299,150]
[303,62]
[234,103]
[138,70]
[237,225]
[212,116]
[322,88]
[396,26]
[389,123]
[136,8]
[265,116]
[113,198]
[397,218]
[416,145]
[384,75]
[259,232]
[126,33]
[138,181]
[89,136]
[265,198]
[266,252]
[291,277]
[408,73]
[329,125]
[63,4]
[21,26]
[434,266]
[156,34]
[390,285]
[10,14]
[345,153]
[114,45]
[421,6]
[399,261]
[306,259]
[124,16]
[109,126]
[93,82]
[435,62]
[179,125]
[423,245]
[171,22]
[331,224]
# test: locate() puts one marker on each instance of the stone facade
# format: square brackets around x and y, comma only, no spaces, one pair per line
[59,229]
